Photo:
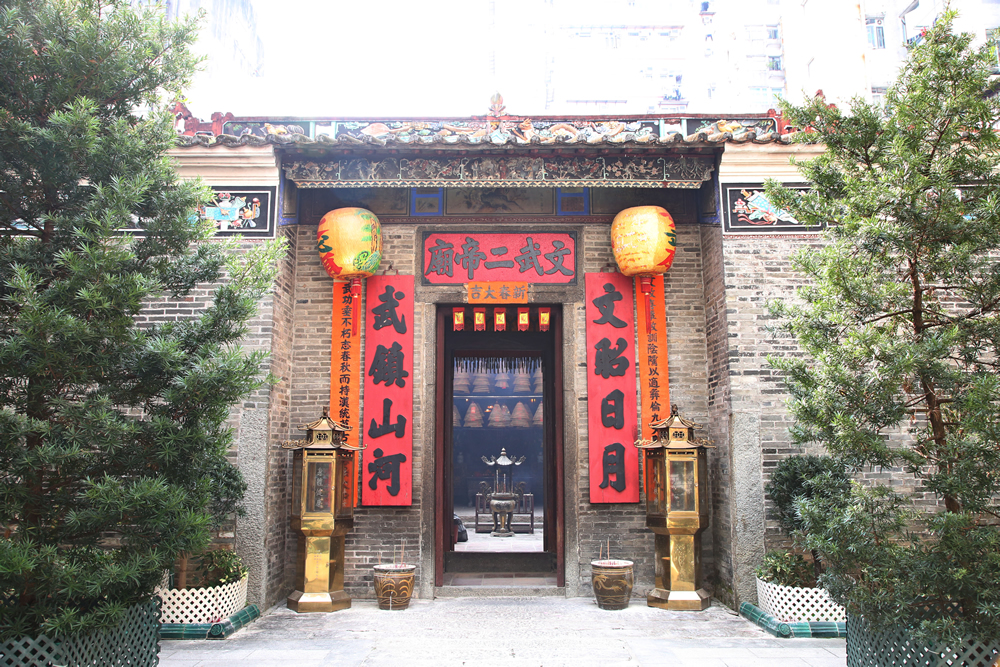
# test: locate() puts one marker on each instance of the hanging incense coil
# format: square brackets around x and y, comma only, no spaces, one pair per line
[456,417]
[537,377]
[497,417]
[462,380]
[502,381]
[506,413]
[481,384]
[474,416]
[522,383]
[520,417]
[537,420]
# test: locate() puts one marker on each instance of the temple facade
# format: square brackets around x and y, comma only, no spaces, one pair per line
[498,327]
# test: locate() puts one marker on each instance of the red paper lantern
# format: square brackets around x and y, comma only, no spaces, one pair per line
[349,241]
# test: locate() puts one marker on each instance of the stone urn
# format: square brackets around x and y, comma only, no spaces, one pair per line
[612,580]
[394,585]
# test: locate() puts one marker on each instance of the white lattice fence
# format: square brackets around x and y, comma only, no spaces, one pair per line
[202,605]
[790,603]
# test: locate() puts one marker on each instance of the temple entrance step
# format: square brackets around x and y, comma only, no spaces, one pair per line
[498,591]
[501,564]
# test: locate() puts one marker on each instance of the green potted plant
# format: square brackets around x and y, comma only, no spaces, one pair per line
[787,582]
[220,591]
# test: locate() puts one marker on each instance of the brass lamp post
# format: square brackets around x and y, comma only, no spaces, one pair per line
[323,492]
[676,511]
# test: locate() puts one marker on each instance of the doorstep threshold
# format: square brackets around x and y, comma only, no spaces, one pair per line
[499,591]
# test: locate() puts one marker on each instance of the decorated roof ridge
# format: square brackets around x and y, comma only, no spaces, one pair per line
[297,140]
[495,129]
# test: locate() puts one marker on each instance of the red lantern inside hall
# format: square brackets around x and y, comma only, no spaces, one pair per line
[643,240]
[349,241]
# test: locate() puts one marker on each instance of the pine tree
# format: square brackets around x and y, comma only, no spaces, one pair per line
[113,436]
[900,321]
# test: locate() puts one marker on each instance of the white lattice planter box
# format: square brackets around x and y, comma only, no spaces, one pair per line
[202,605]
[790,603]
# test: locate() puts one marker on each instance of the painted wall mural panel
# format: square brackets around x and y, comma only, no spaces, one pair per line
[248,211]
[611,395]
[749,211]
[245,210]
[462,257]
[387,461]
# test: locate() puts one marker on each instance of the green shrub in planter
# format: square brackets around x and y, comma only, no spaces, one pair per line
[787,569]
[221,566]
[821,478]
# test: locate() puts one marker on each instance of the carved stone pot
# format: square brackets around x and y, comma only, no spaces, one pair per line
[612,580]
[394,585]
[502,505]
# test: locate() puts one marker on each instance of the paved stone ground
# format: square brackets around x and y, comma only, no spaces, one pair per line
[546,631]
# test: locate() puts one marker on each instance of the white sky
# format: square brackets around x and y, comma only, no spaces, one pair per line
[363,58]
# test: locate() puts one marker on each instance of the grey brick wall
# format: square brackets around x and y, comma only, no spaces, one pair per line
[377,530]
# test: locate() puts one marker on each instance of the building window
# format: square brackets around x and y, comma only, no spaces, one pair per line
[878,95]
[774,63]
[993,38]
[876,35]
[772,32]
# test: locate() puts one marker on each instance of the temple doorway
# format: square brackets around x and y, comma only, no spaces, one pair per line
[500,449]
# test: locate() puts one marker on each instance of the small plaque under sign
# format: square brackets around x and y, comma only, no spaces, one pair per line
[497,292]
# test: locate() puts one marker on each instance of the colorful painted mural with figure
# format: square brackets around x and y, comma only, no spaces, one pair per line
[748,210]
[248,211]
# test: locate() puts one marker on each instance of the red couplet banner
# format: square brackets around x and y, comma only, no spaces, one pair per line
[654,374]
[345,361]
[611,390]
[387,429]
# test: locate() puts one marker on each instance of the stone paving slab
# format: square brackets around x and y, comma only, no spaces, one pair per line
[501,632]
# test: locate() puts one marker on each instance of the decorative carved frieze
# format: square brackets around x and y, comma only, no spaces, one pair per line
[610,171]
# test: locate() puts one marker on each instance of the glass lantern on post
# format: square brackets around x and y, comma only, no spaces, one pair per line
[676,511]
[323,495]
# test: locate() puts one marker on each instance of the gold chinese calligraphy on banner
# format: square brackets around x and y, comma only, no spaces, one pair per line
[497,292]
[345,364]
[654,374]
